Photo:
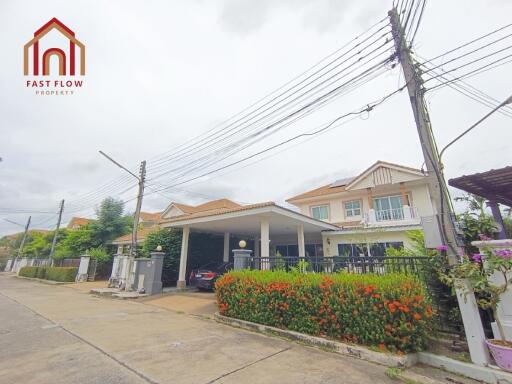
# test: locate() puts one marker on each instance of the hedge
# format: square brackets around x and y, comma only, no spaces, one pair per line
[389,312]
[64,274]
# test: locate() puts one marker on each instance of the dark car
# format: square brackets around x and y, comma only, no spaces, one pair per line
[205,277]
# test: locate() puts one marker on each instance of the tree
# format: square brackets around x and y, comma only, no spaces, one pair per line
[111,223]
[170,241]
[475,221]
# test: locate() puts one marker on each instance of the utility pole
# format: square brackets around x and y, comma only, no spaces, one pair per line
[22,244]
[439,192]
[54,242]
[141,179]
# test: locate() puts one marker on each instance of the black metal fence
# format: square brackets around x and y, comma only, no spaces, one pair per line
[67,263]
[417,265]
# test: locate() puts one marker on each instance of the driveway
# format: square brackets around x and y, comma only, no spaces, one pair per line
[55,334]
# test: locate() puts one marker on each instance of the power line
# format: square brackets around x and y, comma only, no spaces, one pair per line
[363,110]
[469,43]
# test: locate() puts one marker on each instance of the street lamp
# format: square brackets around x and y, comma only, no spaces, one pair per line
[140,179]
[507,101]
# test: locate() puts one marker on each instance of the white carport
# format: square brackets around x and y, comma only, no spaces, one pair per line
[262,223]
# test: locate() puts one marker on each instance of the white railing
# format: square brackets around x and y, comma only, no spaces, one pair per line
[395,214]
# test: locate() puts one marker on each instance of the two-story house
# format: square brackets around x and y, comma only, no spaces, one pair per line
[373,210]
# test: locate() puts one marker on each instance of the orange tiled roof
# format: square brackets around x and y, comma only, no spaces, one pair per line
[141,235]
[217,211]
[149,216]
[329,189]
[322,191]
[78,222]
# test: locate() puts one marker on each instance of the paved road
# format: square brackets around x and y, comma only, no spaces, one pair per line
[55,334]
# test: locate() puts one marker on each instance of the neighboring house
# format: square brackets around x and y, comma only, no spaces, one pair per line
[373,210]
[148,223]
[78,222]
[268,228]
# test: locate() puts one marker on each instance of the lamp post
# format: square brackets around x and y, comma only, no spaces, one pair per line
[141,179]
[507,101]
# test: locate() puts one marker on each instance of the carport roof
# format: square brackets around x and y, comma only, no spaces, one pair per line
[246,220]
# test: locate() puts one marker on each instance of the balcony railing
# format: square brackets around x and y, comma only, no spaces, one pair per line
[396,214]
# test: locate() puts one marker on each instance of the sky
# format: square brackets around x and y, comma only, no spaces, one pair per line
[160,73]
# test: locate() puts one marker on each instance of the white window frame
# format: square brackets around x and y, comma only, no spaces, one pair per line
[326,206]
[352,209]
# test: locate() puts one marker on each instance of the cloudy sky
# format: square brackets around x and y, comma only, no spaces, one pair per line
[160,73]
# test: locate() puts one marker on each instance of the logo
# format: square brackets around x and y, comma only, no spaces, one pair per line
[59,65]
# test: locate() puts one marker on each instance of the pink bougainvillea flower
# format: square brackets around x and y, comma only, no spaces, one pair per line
[505,253]
[477,257]
[442,247]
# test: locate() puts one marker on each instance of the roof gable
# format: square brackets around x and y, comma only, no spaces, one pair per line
[383,173]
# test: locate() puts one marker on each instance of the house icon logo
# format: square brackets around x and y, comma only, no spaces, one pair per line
[65,54]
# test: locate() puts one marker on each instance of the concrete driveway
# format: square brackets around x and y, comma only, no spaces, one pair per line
[55,334]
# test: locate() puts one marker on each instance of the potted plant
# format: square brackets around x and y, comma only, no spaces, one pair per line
[489,276]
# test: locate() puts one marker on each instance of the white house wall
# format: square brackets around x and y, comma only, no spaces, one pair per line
[418,194]
[331,241]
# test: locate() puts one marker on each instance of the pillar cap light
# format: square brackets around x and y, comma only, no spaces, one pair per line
[159,248]
[242,244]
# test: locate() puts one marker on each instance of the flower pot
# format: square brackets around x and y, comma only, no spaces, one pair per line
[502,355]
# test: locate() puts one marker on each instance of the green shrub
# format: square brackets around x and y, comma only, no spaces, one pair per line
[41,272]
[28,271]
[66,274]
[390,312]
[61,273]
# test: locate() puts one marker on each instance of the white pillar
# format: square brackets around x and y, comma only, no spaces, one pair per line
[265,237]
[475,335]
[300,241]
[183,258]
[225,257]
[265,242]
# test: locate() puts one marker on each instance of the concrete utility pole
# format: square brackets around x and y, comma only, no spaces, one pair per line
[54,242]
[141,179]
[439,192]
[22,244]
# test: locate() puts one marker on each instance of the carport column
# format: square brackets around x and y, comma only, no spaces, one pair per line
[183,258]
[226,247]
[265,242]
[300,241]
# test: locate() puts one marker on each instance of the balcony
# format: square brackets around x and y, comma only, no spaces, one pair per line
[395,216]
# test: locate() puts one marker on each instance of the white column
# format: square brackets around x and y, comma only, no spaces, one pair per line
[265,242]
[407,212]
[300,241]
[225,256]
[183,257]
[473,328]
[265,237]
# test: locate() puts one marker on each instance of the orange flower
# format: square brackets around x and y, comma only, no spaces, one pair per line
[392,308]
[405,308]
[382,346]
[417,316]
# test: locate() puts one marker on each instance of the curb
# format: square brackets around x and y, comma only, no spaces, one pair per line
[50,282]
[356,351]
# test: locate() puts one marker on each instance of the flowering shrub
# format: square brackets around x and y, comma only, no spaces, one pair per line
[389,312]
[478,270]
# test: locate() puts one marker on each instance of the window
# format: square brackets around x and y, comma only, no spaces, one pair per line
[389,207]
[353,208]
[321,212]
